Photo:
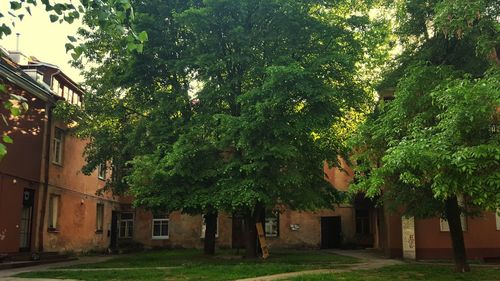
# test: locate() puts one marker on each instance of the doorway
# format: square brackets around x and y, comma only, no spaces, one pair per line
[113,232]
[331,232]
[25,226]
[238,240]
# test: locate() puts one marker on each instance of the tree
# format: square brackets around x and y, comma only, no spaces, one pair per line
[274,77]
[438,139]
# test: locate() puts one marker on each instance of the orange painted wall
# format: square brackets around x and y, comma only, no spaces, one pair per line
[482,239]
[78,202]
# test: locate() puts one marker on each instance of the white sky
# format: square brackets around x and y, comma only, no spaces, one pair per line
[42,39]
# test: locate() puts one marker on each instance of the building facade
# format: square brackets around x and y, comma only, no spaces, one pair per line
[51,205]
[47,204]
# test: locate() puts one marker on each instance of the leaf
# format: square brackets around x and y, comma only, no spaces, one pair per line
[15,5]
[53,18]
[143,36]
[7,139]
[72,38]
[2,88]
[69,47]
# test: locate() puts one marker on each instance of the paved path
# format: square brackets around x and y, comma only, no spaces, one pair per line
[6,274]
[369,260]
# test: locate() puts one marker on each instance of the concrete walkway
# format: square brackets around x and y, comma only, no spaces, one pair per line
[368,260]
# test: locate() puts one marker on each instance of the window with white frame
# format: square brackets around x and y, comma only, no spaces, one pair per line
[126,225]
[101,171]
[58,146]
[497,215]
[53,211]
[204,226]
[99,220]
[272,224]
[160,226]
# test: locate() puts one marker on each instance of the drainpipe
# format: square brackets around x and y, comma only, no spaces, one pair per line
[48,138]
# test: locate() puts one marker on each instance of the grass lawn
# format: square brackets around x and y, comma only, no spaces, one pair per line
[409,272]
[193,265]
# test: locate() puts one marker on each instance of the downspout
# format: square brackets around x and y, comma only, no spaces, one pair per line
[48,138]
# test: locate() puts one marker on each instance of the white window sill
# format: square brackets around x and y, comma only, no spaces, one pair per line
[159,238]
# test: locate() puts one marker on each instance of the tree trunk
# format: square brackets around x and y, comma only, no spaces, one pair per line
[250,235]
[210,232]
[452,212]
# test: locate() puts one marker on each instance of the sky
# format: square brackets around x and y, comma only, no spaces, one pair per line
[42,39]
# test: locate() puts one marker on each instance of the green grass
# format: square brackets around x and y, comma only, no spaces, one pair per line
[408,272]
[193,265]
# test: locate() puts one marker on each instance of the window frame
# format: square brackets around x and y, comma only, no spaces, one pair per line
[99,219]
[101,171]
[129,223]
[58,146]
[53,218]
[160,219]
[364,221]
[273,216]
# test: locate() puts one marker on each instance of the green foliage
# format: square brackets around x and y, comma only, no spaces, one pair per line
[230,104]
[439,137]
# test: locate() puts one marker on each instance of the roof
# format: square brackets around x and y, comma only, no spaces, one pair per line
[14,74]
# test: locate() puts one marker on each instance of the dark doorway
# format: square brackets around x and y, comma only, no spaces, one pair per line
[238,240]
[114,230]
[26,220]
[331,232]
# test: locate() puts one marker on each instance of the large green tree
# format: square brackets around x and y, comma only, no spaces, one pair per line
[273,78]
[438,140]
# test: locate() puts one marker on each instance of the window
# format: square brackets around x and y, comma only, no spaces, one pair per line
[53,211]
[272,224]
[99,217]
[160,226]
[126,225]
[101,171]
[362,222]
[55,86]
[497,215]
[57,147]
[204,226]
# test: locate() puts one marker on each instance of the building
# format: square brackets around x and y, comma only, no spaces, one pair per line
[51,205]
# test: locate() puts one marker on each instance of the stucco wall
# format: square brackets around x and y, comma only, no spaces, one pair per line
[76,229]
[482,239]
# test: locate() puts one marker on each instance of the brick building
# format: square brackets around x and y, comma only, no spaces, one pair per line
[47,204]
